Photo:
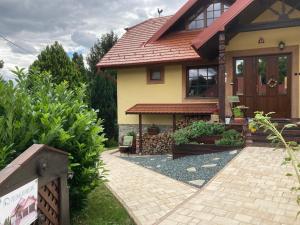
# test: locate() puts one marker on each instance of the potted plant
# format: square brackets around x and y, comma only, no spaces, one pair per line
[215,118]
[238,114]
[153,130]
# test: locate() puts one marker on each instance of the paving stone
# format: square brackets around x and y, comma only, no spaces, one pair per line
[233,152]
[197,182]
[191,169]
[251,190]
[209,166]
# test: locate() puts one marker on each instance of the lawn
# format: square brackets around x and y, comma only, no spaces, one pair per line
[103,209]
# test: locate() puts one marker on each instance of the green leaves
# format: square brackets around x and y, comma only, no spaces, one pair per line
[38,111]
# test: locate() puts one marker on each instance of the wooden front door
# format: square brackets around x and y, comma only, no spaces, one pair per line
[263,83]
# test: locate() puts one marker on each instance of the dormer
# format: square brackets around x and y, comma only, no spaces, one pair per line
[194,15]
[206,15]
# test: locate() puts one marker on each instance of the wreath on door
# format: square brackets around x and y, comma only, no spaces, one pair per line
[272,83]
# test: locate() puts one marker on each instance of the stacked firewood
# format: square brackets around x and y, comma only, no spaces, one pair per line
[182,123]
[157,144]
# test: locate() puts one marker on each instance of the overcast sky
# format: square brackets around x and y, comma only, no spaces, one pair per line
[76,24]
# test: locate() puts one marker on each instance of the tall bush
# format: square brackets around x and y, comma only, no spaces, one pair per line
[39,111]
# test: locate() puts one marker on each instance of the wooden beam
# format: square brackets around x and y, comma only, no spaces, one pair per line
[222,71]
[174,122]
[266,26]
[140,133]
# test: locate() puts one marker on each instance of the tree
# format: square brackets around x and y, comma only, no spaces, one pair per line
[55,60]
[77,59]
[52,114]
[100,48]
[102,85]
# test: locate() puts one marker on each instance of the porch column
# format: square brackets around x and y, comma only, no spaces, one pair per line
[174,122]
[140,133]
[222,72]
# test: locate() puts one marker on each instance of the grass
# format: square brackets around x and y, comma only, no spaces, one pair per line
[103,208]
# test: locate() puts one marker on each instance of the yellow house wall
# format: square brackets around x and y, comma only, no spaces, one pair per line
[133,89]
[246,44]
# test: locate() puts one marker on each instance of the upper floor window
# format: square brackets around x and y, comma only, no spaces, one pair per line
[155,75]
[206,16]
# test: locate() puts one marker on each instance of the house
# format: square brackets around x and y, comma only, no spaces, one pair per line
[189,63]
[24,211]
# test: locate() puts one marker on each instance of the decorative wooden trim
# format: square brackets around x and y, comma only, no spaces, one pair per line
[222,71]
[266,25]
[161,69]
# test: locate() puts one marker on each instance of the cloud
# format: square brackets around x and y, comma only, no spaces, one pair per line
[85,39]
[34,24]
[22,48]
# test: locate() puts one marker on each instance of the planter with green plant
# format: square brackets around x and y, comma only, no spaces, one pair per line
[238,114]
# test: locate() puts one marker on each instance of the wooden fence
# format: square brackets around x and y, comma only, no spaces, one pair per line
[49,167]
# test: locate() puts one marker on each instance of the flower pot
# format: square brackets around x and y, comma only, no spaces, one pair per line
[240,120]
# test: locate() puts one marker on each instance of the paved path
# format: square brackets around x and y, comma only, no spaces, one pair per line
[251,190]
[147,195]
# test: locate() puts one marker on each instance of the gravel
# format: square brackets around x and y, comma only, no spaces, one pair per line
[190,169]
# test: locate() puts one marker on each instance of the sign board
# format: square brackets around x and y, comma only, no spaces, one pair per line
[19,207]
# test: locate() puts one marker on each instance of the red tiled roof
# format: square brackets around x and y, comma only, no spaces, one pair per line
[133,48]
[220,23]
[187,6]
[192,109]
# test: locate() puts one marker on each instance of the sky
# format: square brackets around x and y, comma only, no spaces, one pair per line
[76,24]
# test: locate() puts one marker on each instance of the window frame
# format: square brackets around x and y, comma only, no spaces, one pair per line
[187,86]
[204,10]
[152,69]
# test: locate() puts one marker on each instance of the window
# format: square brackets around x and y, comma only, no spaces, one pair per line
[283,75]
[202,82]
[155,75]
[239,76]
[207,15]
[262,76]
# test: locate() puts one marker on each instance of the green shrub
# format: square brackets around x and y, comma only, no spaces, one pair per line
[202,128]
[181,136]
[231,138]
[42,112]
[195,130]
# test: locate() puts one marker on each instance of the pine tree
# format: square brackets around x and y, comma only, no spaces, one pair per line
[102,85]
[55,60]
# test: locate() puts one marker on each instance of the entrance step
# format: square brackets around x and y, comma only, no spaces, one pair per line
[290,134]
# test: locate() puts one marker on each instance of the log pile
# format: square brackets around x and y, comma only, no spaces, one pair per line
[157,144]
[187,121]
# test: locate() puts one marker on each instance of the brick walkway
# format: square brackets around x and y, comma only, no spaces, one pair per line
[251,190]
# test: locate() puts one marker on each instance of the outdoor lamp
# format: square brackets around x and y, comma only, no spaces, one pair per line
[281,45]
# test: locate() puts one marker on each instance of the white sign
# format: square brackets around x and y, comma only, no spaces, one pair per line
[20,206]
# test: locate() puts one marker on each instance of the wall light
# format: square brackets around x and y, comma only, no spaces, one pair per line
[281,45]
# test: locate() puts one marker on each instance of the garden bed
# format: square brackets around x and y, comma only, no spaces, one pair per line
[199,149]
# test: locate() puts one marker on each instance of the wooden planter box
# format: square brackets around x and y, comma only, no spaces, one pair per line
[208,139]
[193,149]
